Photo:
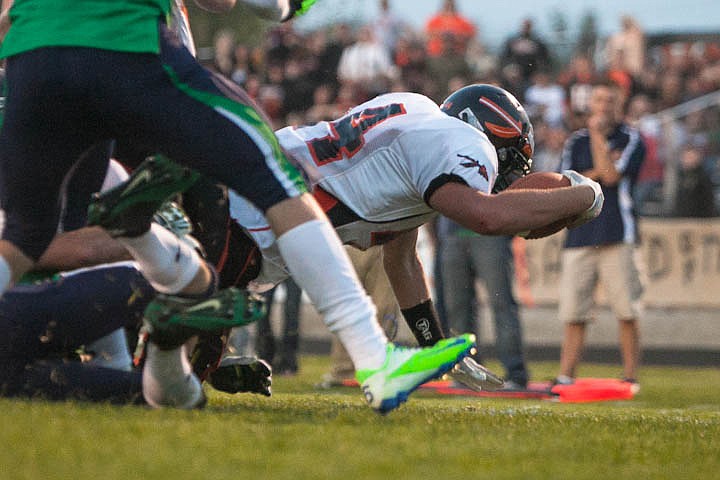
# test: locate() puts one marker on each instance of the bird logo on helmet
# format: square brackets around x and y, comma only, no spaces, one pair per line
[497,113]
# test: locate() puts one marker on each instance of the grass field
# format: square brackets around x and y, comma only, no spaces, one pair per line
[670,430]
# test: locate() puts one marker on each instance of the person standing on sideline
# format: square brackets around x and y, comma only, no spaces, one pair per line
[602,250]
[467,257]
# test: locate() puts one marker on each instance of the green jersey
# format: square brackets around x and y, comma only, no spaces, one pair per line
[121,25]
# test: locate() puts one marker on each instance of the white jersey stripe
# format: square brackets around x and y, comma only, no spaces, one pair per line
[502,113]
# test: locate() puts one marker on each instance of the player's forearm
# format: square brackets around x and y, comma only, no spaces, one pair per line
[405,272]
[408,285]
[82,248]
[511,211]
[407,278]
[536,208]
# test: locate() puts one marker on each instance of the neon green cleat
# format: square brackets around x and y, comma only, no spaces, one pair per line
[171,320]
[405,369]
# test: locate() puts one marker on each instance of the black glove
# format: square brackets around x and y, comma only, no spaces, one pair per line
[235,375]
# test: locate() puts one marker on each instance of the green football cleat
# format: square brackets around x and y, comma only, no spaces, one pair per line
[405,369]
[127,210]
[475,376]
[171,319]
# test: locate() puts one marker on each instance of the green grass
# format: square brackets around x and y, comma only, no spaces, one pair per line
[671,430]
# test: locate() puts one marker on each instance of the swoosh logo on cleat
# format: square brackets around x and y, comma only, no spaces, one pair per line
[142,177]
[214,303]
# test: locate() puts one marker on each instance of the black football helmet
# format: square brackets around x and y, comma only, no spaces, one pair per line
[497,113]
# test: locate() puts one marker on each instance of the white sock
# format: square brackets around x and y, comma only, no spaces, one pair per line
[319,264]
[111,351]
[168,379]
[5,275]
[168,263]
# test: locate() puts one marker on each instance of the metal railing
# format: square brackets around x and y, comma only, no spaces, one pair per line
[671,140]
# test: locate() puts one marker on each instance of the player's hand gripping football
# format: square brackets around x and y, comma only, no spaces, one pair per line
[596,207]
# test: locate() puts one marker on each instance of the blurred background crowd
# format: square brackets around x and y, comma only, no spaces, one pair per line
[671,85]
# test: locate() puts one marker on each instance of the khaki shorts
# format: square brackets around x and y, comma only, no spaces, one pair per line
[371,272]
[612,266]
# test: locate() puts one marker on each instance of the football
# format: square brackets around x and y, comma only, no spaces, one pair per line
[543,181]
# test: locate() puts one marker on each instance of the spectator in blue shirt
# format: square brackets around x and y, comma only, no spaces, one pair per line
[602,250]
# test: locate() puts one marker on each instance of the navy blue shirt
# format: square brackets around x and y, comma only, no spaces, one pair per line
[617,222]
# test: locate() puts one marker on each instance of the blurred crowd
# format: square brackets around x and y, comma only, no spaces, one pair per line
[300,78]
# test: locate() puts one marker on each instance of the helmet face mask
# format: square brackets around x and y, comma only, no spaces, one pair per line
[514,166]
[497,114]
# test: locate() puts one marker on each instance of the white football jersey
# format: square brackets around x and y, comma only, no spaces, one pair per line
[382,161]
[181,25]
